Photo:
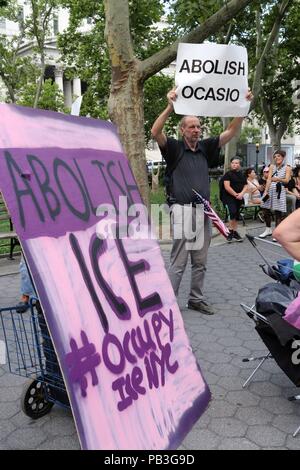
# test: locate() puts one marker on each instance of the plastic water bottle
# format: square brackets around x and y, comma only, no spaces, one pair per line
[246,199]
[296,270]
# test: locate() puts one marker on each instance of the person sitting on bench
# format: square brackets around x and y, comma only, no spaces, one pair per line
[253,187]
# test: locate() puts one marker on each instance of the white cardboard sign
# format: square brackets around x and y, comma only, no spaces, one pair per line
[211,80]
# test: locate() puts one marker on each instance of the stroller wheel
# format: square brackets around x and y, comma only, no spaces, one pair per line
[33,400]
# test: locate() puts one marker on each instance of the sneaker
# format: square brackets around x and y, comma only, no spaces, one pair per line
[266,233]
[237,237]
[274,240]
[201,307]
[230,237]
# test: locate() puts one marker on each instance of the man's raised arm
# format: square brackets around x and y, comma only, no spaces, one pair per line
[231,131]
[157,128]
[234,126]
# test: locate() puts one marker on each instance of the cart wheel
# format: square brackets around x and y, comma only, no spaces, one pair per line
[33,401]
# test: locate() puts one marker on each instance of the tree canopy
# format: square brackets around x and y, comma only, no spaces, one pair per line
[126,43]
[23,75]
[276,105]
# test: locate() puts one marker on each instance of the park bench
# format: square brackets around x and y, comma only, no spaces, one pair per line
[7,233]
[247,211]
[252,210]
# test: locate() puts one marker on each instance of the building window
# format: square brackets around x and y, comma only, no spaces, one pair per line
[2,23]
[55,24]
[89,20]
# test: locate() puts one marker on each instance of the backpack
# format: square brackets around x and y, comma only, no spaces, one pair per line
[274,298]
[168,179]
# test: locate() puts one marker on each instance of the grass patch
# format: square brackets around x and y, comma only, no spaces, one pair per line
[158,197]
[5,244]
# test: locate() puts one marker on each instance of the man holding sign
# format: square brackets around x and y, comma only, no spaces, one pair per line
[189,160]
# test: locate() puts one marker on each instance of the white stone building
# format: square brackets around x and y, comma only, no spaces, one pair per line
[54,68]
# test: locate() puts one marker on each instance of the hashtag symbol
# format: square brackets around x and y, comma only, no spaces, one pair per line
[81,361]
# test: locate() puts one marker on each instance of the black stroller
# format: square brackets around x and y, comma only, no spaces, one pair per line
[281,339]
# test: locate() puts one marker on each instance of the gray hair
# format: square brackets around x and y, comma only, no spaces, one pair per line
[183,119]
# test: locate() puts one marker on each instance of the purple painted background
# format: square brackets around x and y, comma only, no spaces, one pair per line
[132,379]
[57,190]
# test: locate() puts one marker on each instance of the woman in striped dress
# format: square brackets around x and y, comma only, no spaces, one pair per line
[274,197]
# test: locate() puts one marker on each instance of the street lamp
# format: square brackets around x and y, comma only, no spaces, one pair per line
[256,161]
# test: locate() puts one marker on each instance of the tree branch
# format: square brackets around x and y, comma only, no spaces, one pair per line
[40,83]
[229,33]
[268,114]
[256,86]
[46,17]
[283,125]
[35,18]
[164,57]
[258,51]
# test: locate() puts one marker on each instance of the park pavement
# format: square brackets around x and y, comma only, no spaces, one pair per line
[259,417]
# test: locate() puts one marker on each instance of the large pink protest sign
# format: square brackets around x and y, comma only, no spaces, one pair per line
[131,377]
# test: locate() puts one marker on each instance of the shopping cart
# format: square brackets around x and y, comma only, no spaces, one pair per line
[30,354]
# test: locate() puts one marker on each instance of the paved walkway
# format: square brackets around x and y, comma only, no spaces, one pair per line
[259,417]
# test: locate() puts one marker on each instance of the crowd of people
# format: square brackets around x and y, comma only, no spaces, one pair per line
[276,191]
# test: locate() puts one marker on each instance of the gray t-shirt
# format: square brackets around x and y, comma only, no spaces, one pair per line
[191,167]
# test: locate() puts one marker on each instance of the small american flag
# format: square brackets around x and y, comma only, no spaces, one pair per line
[208,210]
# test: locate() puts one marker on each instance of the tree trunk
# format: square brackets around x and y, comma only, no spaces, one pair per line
[39,84]
[155,179]
[275,139]
[231,150]
[11,92]
[231,147]
[276,131]
[126,109]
